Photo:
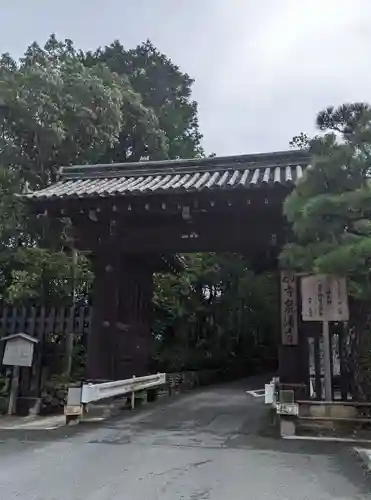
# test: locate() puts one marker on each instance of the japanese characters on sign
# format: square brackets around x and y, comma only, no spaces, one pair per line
[324,298]
[18,352]
[340,298]
[289,311]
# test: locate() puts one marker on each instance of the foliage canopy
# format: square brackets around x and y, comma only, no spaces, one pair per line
[330,209]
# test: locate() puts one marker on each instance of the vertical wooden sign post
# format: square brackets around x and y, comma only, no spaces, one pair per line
[289,318]
[325,299]
[327,353]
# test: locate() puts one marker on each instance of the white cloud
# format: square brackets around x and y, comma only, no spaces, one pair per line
[296,58]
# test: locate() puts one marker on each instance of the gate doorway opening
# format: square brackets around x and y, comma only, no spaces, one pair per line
[217,314]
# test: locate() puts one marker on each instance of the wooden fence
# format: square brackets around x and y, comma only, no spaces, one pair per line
[340,374]
[41,321]
[52,327]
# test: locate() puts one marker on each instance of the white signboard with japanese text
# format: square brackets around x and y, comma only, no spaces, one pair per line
[324,298]
[289,309]
[18,352]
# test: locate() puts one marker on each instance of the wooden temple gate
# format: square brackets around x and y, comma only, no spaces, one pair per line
[134,219]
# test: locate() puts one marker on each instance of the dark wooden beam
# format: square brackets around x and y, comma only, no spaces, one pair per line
[181,236]
[208,234]
[216,201]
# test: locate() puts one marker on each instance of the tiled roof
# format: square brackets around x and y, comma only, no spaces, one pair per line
[177,176]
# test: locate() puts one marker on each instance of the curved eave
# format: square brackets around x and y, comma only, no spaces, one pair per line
[171,184]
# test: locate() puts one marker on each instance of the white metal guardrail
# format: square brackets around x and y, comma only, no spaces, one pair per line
[79,397]
[96,392]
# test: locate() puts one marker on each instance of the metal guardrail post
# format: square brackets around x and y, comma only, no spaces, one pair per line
[74,409]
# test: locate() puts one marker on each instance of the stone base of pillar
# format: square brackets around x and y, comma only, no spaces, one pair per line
[287,427]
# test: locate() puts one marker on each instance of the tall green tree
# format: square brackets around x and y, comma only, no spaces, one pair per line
[330,212]
[330,207]
[53,111]
[165,90]
[56,111]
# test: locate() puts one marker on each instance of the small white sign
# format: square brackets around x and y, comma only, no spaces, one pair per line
[324,298]
[18,352]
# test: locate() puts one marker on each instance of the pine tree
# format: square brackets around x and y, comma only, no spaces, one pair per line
[330,208]
[330,213]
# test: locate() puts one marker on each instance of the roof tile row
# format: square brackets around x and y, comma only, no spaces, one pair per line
[173,182]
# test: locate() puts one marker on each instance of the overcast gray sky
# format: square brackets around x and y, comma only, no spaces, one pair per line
[263,68]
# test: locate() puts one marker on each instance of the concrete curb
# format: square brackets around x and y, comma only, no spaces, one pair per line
[329,439]
[38,423]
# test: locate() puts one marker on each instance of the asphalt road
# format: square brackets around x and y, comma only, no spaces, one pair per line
[211,444]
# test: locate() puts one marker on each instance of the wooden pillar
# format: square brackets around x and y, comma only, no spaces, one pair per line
[101,341]
[133,340]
